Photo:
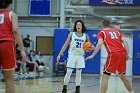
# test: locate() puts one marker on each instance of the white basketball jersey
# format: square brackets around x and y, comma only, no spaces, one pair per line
[76,44]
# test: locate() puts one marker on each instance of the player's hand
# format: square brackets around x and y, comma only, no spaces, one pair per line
[58,58]
[93,47]
[127,57]
[89,57]
[23,55]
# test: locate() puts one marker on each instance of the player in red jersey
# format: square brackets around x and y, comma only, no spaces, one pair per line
[9,32]
[117,55]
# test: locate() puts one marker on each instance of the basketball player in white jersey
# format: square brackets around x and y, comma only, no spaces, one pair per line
[76,54]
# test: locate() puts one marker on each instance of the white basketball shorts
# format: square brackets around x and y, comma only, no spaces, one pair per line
[76,61]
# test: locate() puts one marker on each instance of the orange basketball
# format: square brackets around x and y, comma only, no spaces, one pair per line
[88,46]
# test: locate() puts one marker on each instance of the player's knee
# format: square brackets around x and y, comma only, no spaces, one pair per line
[106,77]
[69,71]
[122,77]
[8,75]
[78,72]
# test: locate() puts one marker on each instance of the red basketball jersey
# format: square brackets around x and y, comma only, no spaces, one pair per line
[112,40]
[6,32]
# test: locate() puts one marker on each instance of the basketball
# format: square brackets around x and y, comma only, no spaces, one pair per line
[88,46]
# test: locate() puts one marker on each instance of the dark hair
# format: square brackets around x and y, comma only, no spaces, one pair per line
[105,23]
[37,52]
[5,3]
[28,35]
[83,26]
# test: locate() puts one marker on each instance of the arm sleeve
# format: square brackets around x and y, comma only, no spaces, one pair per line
[100,35]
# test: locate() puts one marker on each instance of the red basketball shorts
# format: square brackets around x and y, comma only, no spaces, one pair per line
[7,55]
[116,62]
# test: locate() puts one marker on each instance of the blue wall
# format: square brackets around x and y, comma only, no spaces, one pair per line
[93,65]
[136,53]
[60,36]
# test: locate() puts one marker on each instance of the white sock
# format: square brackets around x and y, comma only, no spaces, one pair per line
[67,76]
[132,92]
[78,77]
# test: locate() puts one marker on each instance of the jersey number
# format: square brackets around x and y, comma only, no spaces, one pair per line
[113,35]
[78,45]
[1,18]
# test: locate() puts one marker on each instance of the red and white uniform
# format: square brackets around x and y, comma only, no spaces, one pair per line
[116,60]
[7,47]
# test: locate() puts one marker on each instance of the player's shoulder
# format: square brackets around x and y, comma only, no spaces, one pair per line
[101,32]
[86,35]
[12,13]
[71,33]
[117,31]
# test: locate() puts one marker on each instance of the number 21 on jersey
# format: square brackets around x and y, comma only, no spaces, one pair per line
[113,35]
[78,44]
[1,18]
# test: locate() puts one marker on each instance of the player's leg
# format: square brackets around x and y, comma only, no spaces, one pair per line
[8,64]
[67,76]
[9,80]
[78,80]
[79,65]
[126,83]
[70,64]
[109,67]
[122,71]
[104,82]
[67,79]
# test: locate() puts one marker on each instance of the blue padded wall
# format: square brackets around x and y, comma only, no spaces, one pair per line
[93,65]
[60,36]
[136,53]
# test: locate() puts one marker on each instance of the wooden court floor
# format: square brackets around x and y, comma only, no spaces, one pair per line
[53,84]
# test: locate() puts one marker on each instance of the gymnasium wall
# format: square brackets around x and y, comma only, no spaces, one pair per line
[93,65]
[136,53]
[39,31]
[60,36]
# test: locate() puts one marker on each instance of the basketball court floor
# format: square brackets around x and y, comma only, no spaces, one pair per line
[54,83]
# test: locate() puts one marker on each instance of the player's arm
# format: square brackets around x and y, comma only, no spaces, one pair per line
[98,46]
[65,44]
[125,45]
[17,34]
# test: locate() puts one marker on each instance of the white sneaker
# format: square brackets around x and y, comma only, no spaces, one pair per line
[132,92]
